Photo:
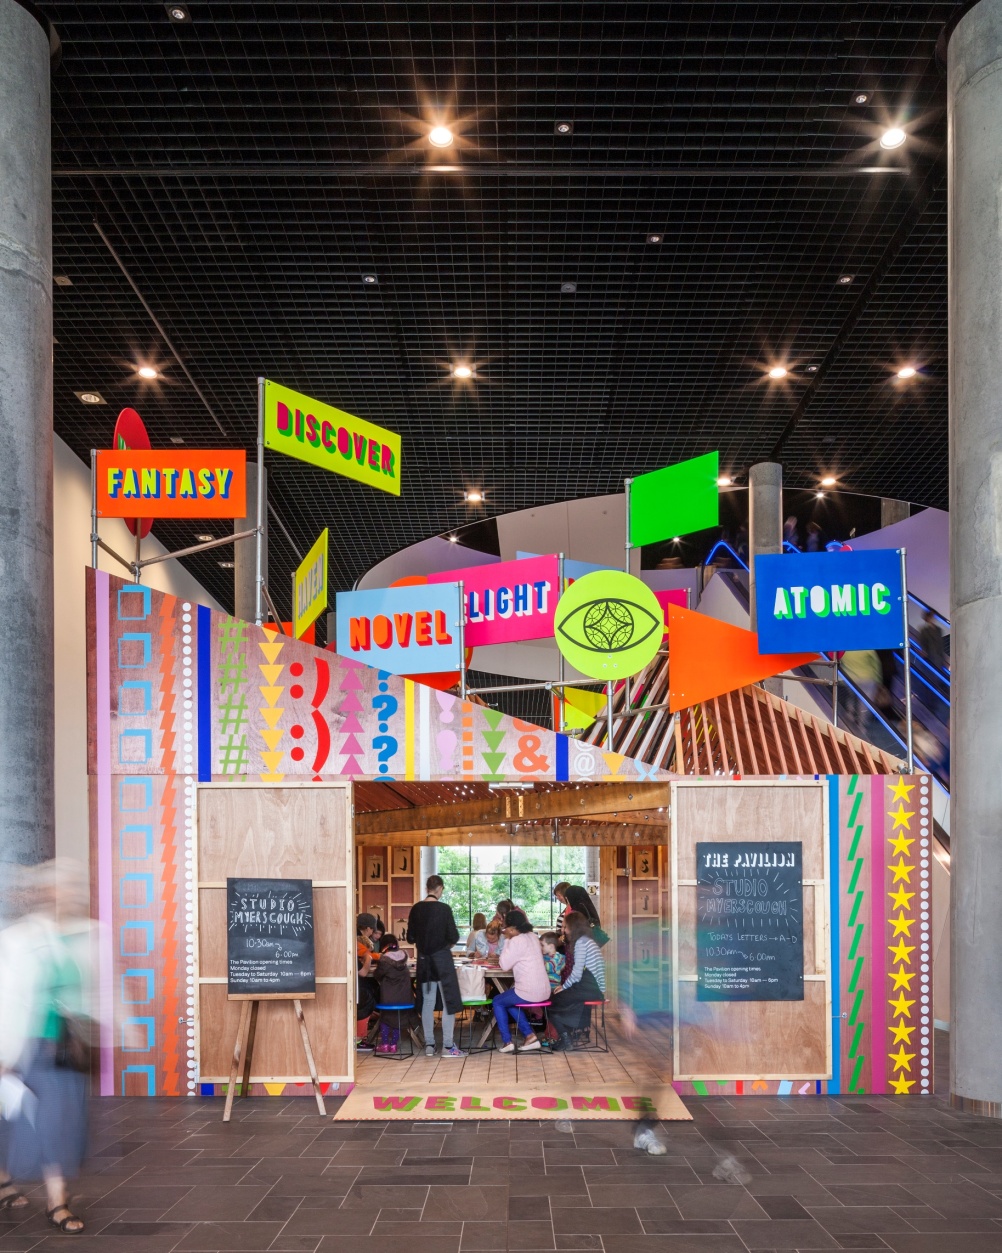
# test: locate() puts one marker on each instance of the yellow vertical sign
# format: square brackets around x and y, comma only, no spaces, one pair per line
[309,591]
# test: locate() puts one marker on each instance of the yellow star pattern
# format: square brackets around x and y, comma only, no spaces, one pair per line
[901,844]
[901,871]
[901,816]
[900,951]
[901,1059]
[901,1085]
[901,1007]
[901,1032]
[900,898]
[902,979]
[902,925]
[901,791]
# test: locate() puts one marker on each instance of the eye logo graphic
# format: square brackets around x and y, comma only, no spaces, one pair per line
[609,625]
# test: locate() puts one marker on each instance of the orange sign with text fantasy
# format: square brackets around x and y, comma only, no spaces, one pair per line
[179,483]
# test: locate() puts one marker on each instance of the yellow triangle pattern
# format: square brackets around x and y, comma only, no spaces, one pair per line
[615,763]
[270,693]
[274,1089]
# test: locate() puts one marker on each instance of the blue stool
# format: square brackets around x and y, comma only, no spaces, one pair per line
[399,1055]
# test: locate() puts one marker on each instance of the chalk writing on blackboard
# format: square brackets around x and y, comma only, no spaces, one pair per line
[749,922]
[269,937]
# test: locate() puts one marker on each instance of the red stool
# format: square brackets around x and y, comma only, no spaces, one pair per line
[598,1035]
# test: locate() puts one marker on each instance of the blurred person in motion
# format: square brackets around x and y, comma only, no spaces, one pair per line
[48,1030]
[932,642]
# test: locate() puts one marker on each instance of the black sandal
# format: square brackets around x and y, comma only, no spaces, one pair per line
[10,1198]
[63,1224]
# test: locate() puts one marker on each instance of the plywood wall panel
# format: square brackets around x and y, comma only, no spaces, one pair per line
[281,832]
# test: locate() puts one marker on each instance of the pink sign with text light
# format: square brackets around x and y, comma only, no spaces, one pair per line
[507,602]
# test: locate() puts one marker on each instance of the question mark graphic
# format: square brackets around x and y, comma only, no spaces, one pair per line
[385,706]
[385,746]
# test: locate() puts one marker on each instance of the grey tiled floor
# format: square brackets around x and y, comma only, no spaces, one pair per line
[907,1174]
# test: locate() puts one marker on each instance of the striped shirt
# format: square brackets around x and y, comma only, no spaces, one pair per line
[587,956]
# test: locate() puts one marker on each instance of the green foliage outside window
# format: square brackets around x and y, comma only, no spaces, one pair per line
[477,878]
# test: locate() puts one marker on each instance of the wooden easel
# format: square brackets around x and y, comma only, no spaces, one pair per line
[244,1047]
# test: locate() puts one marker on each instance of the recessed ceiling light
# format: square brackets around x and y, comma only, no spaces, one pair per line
[725,480]
[828,481]
[906,372]
[370,280]
[861,97]
[845,280]
[462,372]
[676,539]
[778,372]
[204,539]
[473,497]
[812,369]
[568,289]
[91,398]
[893,138]
[177,13]
[177,439]
[453,538]
[819,495]
[62,280]
[226,565]
[440,137]
[148,372]
[655,239]
[564,128]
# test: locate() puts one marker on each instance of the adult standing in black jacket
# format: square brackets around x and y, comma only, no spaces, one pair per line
[432,929]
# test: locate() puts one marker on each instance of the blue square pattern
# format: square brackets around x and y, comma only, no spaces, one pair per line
[134,637]
[141,973]
[135,698]
[135,599]
[130,836]
[150,1074]
[130,933]
[135,747]
[135,794]
[148,1025]
[134,876]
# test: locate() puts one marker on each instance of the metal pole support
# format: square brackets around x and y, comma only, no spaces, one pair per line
[462,642]
[259,541]
[93,509]
[908,663]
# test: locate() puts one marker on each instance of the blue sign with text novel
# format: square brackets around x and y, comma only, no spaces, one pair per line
[405,630]
[825,602]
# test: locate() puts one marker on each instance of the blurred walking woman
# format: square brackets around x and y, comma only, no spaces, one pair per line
[46,1032]
[586,981]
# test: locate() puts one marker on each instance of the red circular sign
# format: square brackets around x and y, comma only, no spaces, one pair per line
[131,433]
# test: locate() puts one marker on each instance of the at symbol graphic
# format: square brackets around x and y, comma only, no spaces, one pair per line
[608,626]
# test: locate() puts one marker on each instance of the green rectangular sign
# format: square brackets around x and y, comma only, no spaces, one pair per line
[674,501]
[330,438]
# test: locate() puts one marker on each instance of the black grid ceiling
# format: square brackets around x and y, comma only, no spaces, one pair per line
[659,354]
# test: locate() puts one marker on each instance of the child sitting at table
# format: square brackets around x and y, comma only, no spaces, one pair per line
[552,959]
[488,943]
[395,988]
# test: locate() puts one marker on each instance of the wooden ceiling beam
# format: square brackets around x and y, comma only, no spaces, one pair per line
[594,798]
[572,834]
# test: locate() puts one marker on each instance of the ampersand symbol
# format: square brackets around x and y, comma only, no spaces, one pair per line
[528,759]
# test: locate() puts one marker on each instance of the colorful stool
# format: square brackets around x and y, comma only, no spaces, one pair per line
[486,1042]
[543,1005]
[598,1035]
[399,1055]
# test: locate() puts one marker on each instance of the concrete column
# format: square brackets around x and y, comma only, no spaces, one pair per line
[27,822]
[244,560]
[892,511]
[765,520]
[974,161]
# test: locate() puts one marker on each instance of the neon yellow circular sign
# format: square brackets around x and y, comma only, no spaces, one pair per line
[609,625]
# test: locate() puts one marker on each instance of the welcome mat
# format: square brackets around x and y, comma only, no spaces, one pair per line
[454,1102]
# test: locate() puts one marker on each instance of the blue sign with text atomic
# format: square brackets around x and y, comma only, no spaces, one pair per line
[824,602]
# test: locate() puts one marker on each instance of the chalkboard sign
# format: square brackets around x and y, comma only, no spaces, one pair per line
[749,922]
[269,938]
